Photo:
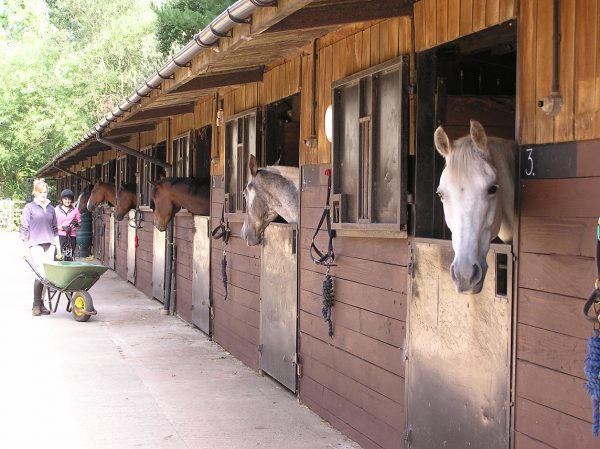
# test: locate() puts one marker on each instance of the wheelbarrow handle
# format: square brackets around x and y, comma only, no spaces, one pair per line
[39,276]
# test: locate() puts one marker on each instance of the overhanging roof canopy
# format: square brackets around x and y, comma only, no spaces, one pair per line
[285,33]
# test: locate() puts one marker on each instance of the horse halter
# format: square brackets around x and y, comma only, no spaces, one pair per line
[325,259]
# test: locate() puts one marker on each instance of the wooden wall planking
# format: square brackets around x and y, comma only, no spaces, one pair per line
[183,239]
[357,49]
[556,274]
[121,241]
[143,255]
[236,320]
[354,380]
[441,21]
[579,68]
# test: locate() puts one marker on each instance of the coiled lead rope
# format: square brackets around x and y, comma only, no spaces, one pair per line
[223,232]
[592,360]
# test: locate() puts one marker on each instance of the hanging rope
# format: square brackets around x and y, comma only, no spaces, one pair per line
[223,232]
[325,258]
[592,360]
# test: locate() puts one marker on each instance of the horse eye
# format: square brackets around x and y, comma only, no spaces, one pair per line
[438,193]
[493,189]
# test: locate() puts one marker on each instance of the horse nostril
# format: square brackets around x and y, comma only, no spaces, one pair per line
[476,275]
[453,273]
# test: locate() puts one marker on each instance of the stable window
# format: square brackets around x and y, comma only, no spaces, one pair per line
[109,171]
[181,156]
[122,171]
[370,111]
[151,172]
[200,152]
[241,140]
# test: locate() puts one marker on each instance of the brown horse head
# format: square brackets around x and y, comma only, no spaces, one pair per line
[172,194]
[126,200]
[270,192]
[83,198]
[102,191]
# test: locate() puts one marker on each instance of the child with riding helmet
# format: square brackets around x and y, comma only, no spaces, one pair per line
[68,219]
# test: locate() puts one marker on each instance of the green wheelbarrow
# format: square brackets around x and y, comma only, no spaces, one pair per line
[74,279]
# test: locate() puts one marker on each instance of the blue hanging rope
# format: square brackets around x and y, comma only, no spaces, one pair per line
[592,371]
[592,360]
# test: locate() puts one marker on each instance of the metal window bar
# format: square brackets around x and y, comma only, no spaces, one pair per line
[364,170]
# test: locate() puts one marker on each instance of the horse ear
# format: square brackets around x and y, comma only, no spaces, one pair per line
[252,165]
[478,136]
[442,142]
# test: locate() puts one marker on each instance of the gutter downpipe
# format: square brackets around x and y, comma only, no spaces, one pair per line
[220,26]
[166,310]
[132,152]
[69,172]
[552,104]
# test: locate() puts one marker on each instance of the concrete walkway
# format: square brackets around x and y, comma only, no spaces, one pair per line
[132,378]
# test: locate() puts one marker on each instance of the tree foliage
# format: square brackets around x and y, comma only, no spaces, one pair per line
[64,64]
[178,21]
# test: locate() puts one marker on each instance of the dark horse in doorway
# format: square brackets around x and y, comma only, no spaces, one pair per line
[172,194]
[127,199]
[84,196]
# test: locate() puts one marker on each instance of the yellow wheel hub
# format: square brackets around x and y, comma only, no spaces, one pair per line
[79,305]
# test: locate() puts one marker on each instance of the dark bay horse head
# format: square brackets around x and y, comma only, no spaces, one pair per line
[102,191]
[172,194]
[477,191]
[126,200]
[270,192]
[83,198]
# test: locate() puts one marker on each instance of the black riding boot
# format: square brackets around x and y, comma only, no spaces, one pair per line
[38,289]
[36,310]
[43,309]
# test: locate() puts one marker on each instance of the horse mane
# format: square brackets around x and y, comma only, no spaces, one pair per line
[464,152]
[195,186]
[291,174]
[130,187]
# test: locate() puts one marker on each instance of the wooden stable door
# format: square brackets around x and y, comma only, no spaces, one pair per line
[458,376]
[131,249]
[158,264]
[279,303]
[111,242]
[201,274]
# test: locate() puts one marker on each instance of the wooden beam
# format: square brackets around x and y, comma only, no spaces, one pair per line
[163,112]
[342,13]
[131,129]
[230,78]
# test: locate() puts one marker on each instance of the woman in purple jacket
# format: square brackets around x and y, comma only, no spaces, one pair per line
[39,234]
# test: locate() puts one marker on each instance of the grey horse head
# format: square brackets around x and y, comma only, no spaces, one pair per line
[270,192]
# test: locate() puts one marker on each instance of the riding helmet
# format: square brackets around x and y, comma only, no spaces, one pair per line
[67,193]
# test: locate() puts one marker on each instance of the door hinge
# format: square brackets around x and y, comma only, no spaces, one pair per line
[211,312]
[298,364]
[407,438]
[411,263]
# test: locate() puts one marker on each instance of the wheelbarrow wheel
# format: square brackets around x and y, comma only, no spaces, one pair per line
[82,306]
